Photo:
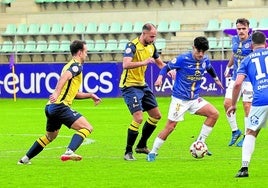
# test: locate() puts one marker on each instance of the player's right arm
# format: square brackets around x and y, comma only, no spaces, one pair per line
[229,65]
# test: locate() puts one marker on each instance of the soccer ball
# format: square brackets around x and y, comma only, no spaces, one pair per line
[198,149]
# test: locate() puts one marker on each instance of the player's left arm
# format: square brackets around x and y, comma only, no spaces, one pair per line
[213,74]
[84,95]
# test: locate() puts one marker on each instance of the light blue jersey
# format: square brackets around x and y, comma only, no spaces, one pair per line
[240,50]
[189,75]
[255,67]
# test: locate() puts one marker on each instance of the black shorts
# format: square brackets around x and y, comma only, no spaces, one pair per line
[139,98]
[58,114]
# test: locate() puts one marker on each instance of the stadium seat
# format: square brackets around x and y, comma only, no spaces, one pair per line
[68,28]
[99,45]
[213,25]
[53,46]
[163,26]
[103,28]
[224,42]
[263,23]
[174,26]
[126,27]
[122,44]
[90,45]
[79,28]
[7,46]
[160,44]
[56,29]
[30,46]
[226,24]
[91,28]
[253,23]
[64,46]
[137,27]
[33,29]
[11,29]
[41,46]
[115,27]
[45,29]
[112,45]
[18,46]
[213,42]
[22,29]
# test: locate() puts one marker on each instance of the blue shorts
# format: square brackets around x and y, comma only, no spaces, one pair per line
[58,114]
[139,98]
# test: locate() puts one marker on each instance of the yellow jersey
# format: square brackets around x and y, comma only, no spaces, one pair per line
[71,87]
[139,52]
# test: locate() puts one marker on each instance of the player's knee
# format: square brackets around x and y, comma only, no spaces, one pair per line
[215,114]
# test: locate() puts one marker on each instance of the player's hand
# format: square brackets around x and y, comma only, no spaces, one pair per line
[96,99]
[231,110]
[172,74]
[158,82]
[53,98]
[218,82]
[149,60]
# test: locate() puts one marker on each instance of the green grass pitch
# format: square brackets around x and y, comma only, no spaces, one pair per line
[23,121]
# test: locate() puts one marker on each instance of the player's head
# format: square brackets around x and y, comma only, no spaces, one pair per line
[242,28]
[258,40]
[149,33]
[200,47]
[78,49]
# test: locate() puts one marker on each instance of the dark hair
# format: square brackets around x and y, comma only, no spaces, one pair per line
[201,43]
[77,45]
[258,37]
[148,27]
[242,21]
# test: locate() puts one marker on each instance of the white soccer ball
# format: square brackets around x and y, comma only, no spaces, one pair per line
[198,149]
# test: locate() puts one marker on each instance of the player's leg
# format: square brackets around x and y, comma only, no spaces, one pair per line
[236,133]
[150,105]
[83,129]
[133,97]
[247,92]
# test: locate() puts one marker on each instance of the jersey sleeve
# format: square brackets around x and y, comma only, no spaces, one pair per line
[130,50]
[75,69]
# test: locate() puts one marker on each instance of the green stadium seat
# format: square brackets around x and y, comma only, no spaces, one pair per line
[263,23]
[122,44]
[225,42]
[33,29]
[18,46]
[68,28]
[253,23]
[56,29]
[7,46]
[213,42]
[112,45]
[41,46]
[99,45]
[213,25]
[90,45]
[174,26]
[115,27]
[226,24]
[53,46]
[160,44]
[11,29]
[137,27]
[91,28]
[45,29]
[65,46]
[30,46]
[22,29]
[126,27]
[79,28]
[103,28]
[163,26]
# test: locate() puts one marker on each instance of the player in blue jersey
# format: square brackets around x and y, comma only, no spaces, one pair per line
[253,67]
[190,68]
[58,110]
[241,47]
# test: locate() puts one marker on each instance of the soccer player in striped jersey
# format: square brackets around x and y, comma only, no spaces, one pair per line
[253,67]
[58,110]
[241,47]
[190,68]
